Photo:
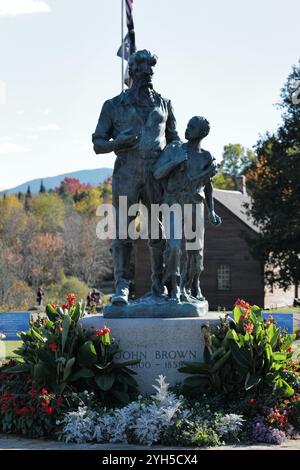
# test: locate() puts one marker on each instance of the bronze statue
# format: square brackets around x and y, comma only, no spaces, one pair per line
[186,171]
[136,125]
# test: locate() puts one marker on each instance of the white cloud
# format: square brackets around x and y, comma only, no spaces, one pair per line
[19,7]
[8,147]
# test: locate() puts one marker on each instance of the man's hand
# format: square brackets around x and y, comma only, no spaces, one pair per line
[214,218]
[125,140]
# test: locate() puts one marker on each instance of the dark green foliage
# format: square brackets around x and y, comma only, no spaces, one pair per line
[58,353]
[242,355]
[274,185]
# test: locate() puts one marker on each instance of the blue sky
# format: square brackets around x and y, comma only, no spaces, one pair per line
[224,60]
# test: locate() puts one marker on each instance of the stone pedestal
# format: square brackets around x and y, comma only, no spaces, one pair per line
[156,307]
[160,343]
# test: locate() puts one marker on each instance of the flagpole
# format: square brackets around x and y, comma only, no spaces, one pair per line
[122,39]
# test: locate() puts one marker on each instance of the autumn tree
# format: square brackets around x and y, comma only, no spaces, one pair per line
[48,211]
[43,259]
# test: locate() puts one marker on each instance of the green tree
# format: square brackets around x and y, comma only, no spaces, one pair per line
[28,197]
[223,181]
[274,183]
[236,160]
[42,187]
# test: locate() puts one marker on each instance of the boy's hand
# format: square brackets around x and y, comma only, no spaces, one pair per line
[214,218]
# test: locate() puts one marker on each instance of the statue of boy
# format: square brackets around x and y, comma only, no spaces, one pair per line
[186,171]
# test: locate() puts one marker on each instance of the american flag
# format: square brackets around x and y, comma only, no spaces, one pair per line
[129,18]
[129,40]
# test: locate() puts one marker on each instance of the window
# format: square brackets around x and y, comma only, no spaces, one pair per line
[223,277]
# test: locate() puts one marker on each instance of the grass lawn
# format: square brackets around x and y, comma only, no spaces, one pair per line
[10,346]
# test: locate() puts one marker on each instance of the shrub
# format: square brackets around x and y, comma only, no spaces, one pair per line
[243,354]
[26,409]
[57,292]
[57,352]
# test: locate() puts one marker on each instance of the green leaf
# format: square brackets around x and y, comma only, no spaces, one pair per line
[130,381]
[18,369]
[240,356]
[39,372]
[237,313]
[206,355]
[76,314]
[218,353]
[66,323]
[278,356]
[105,381]
[128,363]
[257,311]
[194,367]
[252,381]
[270,330]
[37,335]
[220,363]
[68,369]
[87,354]
[83,373]
[288,340]
[274,340]
[283,387]
[51,313]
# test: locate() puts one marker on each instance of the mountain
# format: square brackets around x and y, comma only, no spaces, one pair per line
[94,177]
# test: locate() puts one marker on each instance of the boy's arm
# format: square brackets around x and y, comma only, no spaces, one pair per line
[213,217]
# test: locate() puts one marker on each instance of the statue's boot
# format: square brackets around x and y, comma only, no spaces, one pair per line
[157,270]
[121,260]
[175,292]
[196,291]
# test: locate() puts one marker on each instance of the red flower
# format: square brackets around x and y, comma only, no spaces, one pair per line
[45,402]
[289,350]
[21,411]
[248,327]
[59,401]
[99,332]
[271,319]
[48,410]
[65,306]
[71,298]
[54,306]
[242,304]
[53,347]
[44,391]
[106,330]
[33,393]
[252,401]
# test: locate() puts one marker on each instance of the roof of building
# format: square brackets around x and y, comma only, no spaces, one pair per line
[234,201]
